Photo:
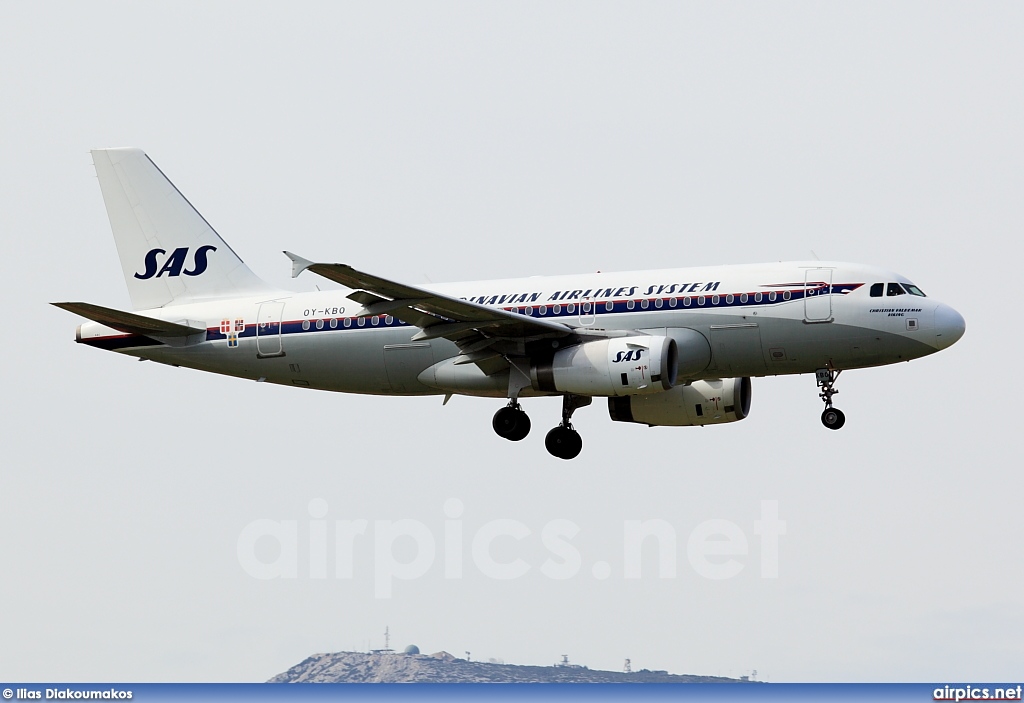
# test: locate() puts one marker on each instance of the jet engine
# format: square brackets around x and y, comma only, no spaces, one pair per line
[698,403]
[621,366]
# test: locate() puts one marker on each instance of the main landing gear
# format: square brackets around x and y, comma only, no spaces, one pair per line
[832,418]
[563,441]
[511,422]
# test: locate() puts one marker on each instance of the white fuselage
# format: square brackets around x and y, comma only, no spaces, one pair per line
[758,320]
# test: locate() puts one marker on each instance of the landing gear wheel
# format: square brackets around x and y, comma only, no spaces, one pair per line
[511,423]
[522,427]
[564,442]
[833,418]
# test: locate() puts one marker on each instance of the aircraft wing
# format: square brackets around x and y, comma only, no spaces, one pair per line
[436,315]
[130,322]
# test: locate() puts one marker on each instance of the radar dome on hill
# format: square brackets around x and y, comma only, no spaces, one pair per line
[411,649]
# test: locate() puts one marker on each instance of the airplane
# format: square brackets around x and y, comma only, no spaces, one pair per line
[669,347]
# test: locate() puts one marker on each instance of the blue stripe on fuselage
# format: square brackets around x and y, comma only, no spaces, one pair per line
[567,310]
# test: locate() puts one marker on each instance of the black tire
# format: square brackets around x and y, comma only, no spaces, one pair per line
[833,418]
[564,443]
[511,423]
[504,422]
[522,427]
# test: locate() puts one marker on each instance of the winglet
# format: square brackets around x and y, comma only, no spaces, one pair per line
[298,263]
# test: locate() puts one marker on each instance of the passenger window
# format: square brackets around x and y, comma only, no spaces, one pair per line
[895,289]
[876,290]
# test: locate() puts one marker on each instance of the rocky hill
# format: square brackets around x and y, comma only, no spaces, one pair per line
[357,667]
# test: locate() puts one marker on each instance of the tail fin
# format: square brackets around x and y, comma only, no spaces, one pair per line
[169,254]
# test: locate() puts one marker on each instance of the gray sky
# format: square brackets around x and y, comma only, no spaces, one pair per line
[479,140]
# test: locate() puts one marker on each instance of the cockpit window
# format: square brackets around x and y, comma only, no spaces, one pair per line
[894,289]
[876,290]
[914,290]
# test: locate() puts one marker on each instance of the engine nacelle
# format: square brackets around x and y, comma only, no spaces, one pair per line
[611,367]
[699,403]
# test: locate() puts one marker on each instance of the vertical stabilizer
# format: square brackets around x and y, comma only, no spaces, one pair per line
[169,254]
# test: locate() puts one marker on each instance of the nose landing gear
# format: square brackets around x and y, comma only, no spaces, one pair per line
[563,441]
[511,422]
[832,418]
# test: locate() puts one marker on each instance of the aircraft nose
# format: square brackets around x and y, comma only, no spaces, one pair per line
[949,326]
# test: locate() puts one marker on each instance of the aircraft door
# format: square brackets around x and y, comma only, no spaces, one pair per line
[587,314]
[268,330]
[818,295]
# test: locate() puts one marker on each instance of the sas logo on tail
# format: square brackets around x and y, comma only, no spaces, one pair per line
[632,355]
[174,263]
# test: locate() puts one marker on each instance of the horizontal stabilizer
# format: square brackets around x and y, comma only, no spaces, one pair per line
[130,322]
